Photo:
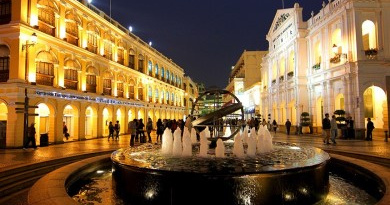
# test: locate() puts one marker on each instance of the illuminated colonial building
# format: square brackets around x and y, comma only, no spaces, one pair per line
[191,93]
[244,81]
[84,69]
[337,59]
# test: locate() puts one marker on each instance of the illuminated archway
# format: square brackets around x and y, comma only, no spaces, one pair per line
[107,118]
[319,111]
[90,123]
[375,106]
[120,116]
[70,117]
[43,122]
[3,124]
[141,114]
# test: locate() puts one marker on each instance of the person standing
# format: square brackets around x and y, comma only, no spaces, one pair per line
[149,128]
[350,130]
[110,131]
[160,129]
[140,130]
[370,128]
[132,131]
[117,130]
[274,126]
[65,130]
[326,128]
[288,126]
[31,137]
[333,129]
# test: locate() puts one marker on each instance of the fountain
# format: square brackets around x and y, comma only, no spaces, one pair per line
[257,172]
[217,170]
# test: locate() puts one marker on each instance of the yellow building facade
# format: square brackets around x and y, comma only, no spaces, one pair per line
[84,69]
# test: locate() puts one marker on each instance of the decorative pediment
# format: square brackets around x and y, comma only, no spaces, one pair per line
[281,19]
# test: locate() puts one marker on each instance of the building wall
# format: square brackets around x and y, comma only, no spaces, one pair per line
[59,65]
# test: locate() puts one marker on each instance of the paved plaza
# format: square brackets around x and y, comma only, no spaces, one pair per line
[15,158]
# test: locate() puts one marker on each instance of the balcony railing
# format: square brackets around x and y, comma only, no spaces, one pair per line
[43,79]
[119,93]
[70,84]
[107,91]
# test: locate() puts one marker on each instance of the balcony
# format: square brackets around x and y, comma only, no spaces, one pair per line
[119,93]
[43,79]
[70,84]
[107,91]
[91,88]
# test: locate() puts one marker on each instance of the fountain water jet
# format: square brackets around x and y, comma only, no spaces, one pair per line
[220,149]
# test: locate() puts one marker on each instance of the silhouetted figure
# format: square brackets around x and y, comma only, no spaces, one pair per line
[30,137]
[288,126]
[370,128]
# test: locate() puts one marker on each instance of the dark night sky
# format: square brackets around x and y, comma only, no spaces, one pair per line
[204,37]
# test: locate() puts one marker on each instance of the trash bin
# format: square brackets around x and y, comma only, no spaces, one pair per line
[44,140]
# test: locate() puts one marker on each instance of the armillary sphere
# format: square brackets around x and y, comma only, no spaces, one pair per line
[220,110]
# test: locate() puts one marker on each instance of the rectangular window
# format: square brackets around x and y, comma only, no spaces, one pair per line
[131,61]
[140,93]
[107,86]
[92,42]
[5,12]
[119,89]
[91,83]
[131,92]
[108,50]
[120,56]
[4,69]
[46,19]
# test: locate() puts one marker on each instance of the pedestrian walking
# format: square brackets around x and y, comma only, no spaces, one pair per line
[132,131]
[326,128]
[333,129]
[117,128]
[149,128]
[110,131]
[370,128]
[65,131]
[160,129]
[274,126]
[31,137]
[288,126]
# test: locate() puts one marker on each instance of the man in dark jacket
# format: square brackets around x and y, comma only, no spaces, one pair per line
[370,128]
[326,128]
[288,126]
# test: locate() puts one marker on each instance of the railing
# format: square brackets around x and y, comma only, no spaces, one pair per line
[91,88]
[43,79]
[70,84]
[119,93]
[46,28]
[107,91]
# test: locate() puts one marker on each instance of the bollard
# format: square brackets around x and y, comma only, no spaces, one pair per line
[386,136]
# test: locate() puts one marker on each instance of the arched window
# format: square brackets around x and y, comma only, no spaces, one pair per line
[107,87]
[120,56]
[172,98]
[71,69]
[4,63]
[131,90]
[167,97]
[282,69]
[119,86]
[156,70]
[45,68]
[368,35]
[156,94]
[150,68]
[72,27]
[140,92]
[141,63]
[91,80]
[317,54]
[92,38]
[291,62]
[167,76]
[162,72]
[162,96]
[46,16]
[274,72]
[150,93]
[132,59]
[108,42]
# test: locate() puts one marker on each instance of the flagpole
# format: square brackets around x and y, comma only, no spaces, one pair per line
[283,4]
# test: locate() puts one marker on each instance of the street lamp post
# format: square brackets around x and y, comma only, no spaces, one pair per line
[30,42]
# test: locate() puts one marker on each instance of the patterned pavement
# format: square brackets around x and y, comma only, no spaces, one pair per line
[12,158]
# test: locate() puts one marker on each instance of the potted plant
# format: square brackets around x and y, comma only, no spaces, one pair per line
[305,122]
[340,118]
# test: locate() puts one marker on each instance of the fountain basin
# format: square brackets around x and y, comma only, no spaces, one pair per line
[287,175]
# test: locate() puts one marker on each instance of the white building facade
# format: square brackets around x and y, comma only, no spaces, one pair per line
[337,59]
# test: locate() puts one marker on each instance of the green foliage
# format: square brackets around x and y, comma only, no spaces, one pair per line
[340,116]
[305,119]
